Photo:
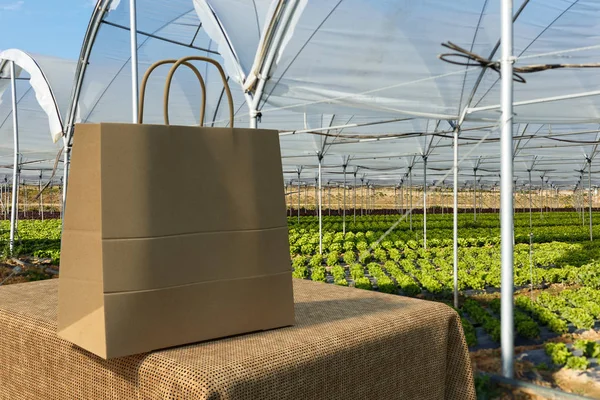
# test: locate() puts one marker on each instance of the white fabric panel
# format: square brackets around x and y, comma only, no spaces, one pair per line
[237,33]
[34,141]
[36,126]
[60,74]
[43,71]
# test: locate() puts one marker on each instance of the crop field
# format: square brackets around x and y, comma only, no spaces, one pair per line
[561,255]
[557,273]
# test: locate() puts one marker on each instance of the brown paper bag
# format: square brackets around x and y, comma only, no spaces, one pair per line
[172,235]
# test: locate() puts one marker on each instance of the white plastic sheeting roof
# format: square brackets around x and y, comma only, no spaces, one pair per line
[381,57]
[44,87]
[344,62]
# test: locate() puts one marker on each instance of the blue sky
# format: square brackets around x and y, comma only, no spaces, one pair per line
[50,27]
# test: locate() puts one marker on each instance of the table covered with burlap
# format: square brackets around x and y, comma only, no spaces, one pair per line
[347,344]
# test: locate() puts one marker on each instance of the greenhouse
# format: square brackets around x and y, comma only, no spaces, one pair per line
[443,151]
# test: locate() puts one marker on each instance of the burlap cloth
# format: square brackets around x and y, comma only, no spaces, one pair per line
[347,344]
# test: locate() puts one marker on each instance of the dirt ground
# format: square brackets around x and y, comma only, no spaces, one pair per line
[26,270]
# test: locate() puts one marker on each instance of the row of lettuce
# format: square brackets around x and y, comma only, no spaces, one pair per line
[33,238]
[577,308]
[545,227]
[414,269]
[569,309]
[561,354]
[381,253]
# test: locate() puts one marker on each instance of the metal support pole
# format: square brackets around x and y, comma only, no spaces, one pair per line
[546,205]
[366,198]
[299,194]
[354,189]
[15,177]
[474,194]
[542,198]
[320,156]
[362,196]
[372,198]
[425,202]
[344,215]
[134,62]
[582,202]
[401,198]
[305,197]
[2,199]
[481,193]
[6,197]
[290,200]
[65,180]
[285,193]
[589,160]
[455,220]
[506,192]
[329,198]
[316,194]
[410,188]
[442,198]
[530,236]
[18,194]
[530,203]
[24,199]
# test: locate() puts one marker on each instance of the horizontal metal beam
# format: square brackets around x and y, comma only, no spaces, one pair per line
[537,101]
[150,35]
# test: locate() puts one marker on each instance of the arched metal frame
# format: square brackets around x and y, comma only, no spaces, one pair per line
[46,99]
